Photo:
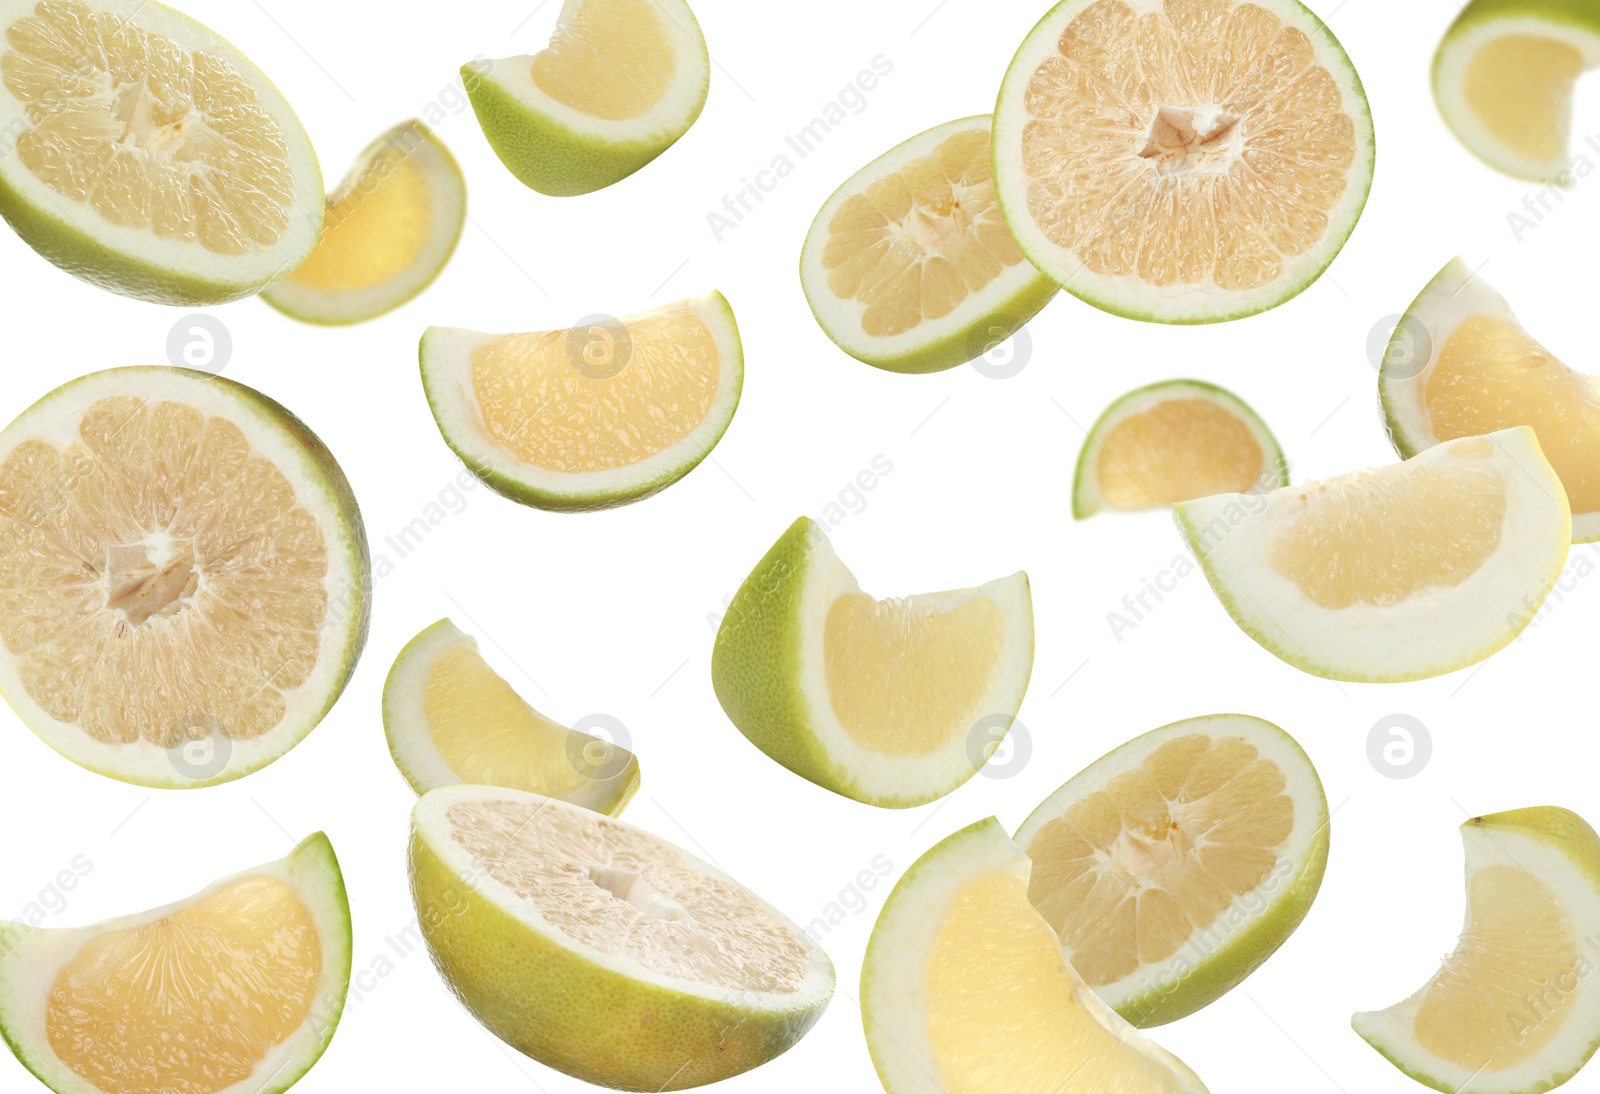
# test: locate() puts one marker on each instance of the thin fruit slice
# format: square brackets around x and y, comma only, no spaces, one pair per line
[451,719]
[1175,441]
[387,232]
[1460,364]
[965,990]
[602,951]
[891,702]
[1186,161]
[909,267]
[1395,573]
[1514,1010]
[619,83]
[150,156]
[1174,865]
[184,579]
[237,989]
[599,415]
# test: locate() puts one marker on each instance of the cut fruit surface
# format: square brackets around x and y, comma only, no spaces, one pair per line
[1513,1010]
[598,415]
[1185,161]
[1397,573]
[602,951]
[451,719]
[184,578]
[965,990]
[387,232]
[909,266]
[1173,866]
[619,83]
[151,157]
[891,702]
[1174,441]
[237,989]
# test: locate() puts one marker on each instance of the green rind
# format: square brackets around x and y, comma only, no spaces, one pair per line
[1392,424]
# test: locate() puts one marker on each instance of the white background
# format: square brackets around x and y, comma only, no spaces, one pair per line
[609,612]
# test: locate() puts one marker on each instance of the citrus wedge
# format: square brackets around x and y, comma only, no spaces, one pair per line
[147,155]
[1397,573]
[599,415]
[909,267]
[891,702]
[387,232]
[1174,441]
[236,990]
[619,83]
[602,951]
[965,990]
[1514,1010]
[1182,162]
[184,579]
[1174,865]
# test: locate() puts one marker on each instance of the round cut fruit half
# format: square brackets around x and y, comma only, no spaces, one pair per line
[1514,1009]
[387,232]
[184,579]
[965,990]
[619,83]
[1175,441]
[1397,573]
[236,990]
[149,156]
[891,702]
[602,951]
[1185,161]
[909,266]
[1173,866]
[602,414]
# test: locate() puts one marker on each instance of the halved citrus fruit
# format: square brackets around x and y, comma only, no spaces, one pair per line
[237,989]
[387,232]
[150,157]
[601,950]
[1174,441]
[601,414]
[1396,573]
[1186,161]
[892,702]
[184,579]
[909,266]
[1174,865]
[619,83]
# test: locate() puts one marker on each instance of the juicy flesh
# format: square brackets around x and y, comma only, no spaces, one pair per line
[1177,450]
[918,242]
[1519,87]
[148,134]
[159,580]
[631,896]
[1193,142]
[610,59]
[193,1002]
[1134,873]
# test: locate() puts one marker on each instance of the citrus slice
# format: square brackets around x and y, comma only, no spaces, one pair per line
[602,951]
[965,990]
[1174,441]
[1514,1010]
[619,83]
[237,989]
[602,414]
[909,267]
[1396,573]
[387,232]
[891,702]
[1174,865]
[1182,162]
[1460,364]
[149,156]
[184,579]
